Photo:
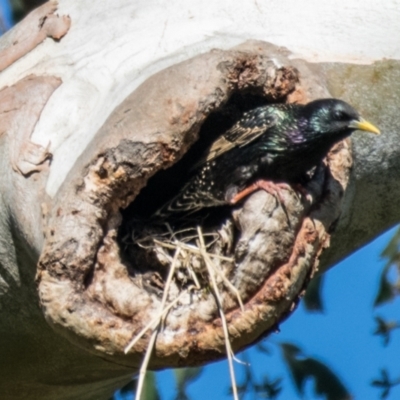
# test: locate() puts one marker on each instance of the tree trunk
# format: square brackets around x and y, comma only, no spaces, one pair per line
[97,101]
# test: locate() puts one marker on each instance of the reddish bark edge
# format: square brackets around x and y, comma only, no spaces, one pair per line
[38,25]
[86,292]
[20,108]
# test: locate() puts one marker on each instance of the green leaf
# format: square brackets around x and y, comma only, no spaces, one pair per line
[263,348]
[18,9]
[290,352]
[391,250]
[385,393]
[313,297]
[129,388]
[270,388]
[302,368]
[385,291]
[384,383]
[150,391]
[183,377]
[384,328]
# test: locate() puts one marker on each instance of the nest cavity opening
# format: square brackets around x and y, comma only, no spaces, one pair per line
[150,247]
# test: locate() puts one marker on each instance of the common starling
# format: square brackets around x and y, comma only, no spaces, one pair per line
[270,148]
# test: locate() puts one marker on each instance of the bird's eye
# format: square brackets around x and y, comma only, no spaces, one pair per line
[340,115]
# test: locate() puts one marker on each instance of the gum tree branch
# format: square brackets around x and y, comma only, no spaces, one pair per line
[97,101]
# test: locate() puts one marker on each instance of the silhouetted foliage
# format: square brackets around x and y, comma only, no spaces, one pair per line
[385,383]
[389,287]
[302,368]
[23,7]
[384,329]
[183,378]
[313,297]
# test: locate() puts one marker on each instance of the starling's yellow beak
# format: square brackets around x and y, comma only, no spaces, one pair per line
[363,125]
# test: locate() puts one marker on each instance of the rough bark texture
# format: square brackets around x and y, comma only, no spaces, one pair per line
[89,294]
[65,179]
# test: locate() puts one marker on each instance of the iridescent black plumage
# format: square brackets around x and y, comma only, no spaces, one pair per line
[277,142]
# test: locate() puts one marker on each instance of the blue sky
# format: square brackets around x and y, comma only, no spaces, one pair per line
[342,336]
[5,13]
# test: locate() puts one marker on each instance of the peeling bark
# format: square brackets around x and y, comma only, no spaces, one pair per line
[20,108]
[33,30]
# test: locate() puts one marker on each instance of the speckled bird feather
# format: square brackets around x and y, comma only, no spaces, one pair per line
[275,142]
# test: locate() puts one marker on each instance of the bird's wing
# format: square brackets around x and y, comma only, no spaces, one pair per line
[250,127]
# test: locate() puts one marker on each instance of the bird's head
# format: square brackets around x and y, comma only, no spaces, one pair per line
[337,118]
